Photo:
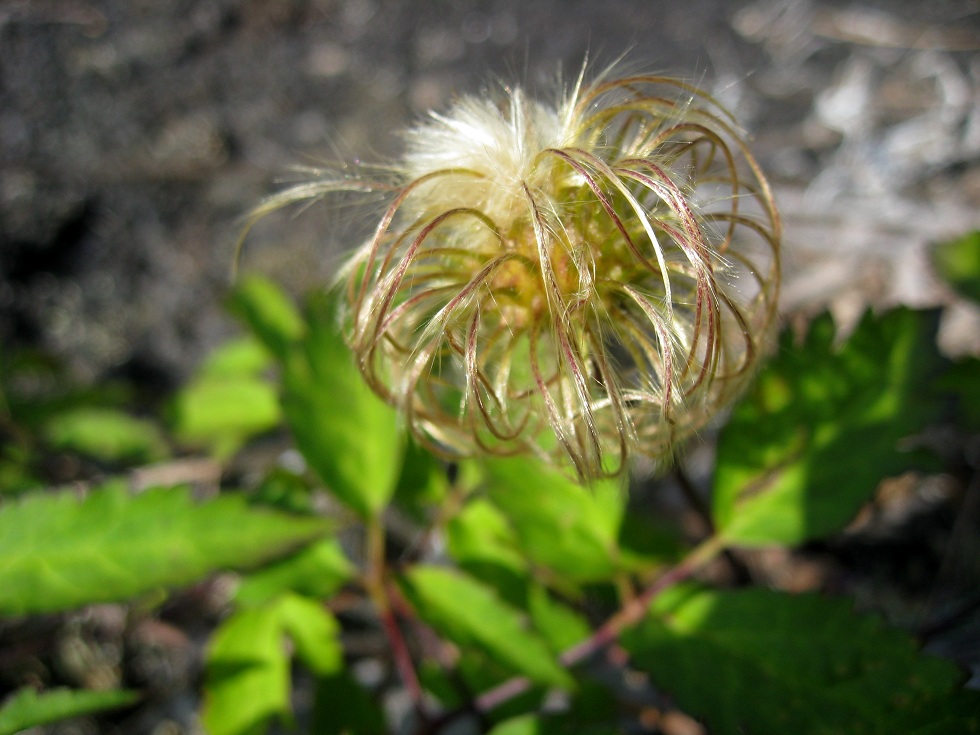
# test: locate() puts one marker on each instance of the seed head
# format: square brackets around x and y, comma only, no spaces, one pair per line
[586,281]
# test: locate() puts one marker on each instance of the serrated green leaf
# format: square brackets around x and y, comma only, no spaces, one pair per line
[28,708]
[769,663]
[562,525]
[470,613]
[317,570]
[106,434]
[821,428]
[958,261]
[346,433]
[58,552]
[268,312]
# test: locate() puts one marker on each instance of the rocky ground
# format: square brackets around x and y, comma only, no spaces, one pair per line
[135,134]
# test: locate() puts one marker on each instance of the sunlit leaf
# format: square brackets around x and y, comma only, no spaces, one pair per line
[469,613]
[560,625]
[248,677]
[27,708]
[562,525]
[958,261]
[314,631]
[269,313]
[346,433]
[317,570]
[769,663]
[521,725]
[485,546]
[823,426]
[58,552]
[242,356]
[222,412]
[106,434]
[480,533]
[247,674]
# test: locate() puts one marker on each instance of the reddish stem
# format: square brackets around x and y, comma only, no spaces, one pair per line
[607,633]
[379,595]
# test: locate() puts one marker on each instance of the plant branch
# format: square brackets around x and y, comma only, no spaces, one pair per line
[630,614]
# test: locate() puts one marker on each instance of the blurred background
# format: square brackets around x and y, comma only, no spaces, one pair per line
[135,134]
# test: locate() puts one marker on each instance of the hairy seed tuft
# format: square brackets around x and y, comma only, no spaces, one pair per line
[586,281]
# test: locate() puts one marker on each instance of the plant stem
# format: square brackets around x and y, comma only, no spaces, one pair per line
[630,614]
[378,592]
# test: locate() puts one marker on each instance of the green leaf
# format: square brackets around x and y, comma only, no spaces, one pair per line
[314,631]
[592,710]
[769,663]
[106,434]
[423,483]
[27,708]
[958,261]
[222,412]
[269,313]
[561,525]
[247,674]
[561,626]
[480,533]
[563,724]
[318,570]
[486,547]
[347,434]
[58,552]
[520,725]
[240,357]
[248,679]
[822,427]
[470,613]
[647,541]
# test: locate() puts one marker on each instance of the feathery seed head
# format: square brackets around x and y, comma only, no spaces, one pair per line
[585,281]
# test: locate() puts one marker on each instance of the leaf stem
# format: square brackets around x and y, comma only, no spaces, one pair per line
[630,614]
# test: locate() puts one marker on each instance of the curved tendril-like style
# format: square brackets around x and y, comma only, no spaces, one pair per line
[587,281]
